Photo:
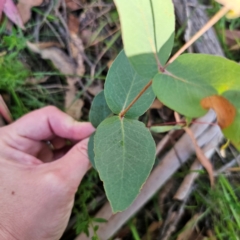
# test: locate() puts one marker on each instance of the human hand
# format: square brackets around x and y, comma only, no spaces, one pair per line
[37,193]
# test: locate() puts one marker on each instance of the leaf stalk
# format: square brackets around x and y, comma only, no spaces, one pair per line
[123,113]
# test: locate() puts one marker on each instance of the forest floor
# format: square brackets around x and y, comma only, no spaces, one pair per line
[61,58]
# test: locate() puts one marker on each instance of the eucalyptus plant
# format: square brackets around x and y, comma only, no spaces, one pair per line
[122,150]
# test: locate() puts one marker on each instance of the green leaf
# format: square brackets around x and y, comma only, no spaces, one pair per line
[123,84]
[99,110]
[193,77]
[148,33]
[124,156]
[91,154]
[233,131]
[162,129]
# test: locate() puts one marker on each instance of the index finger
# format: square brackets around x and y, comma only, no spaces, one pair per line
[49,122]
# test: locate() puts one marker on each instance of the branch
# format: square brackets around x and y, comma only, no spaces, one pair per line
[206,27]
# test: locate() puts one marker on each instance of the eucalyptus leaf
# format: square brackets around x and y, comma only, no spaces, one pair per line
[148,36]
[233,131]
[99,110]
[124,156]
[162,129]
[123,84]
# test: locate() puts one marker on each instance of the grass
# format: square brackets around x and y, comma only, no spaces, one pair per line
[223,206]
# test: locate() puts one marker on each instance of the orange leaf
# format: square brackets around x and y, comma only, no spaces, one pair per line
[225,111]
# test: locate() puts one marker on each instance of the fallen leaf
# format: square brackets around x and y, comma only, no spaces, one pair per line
[75,108]
[201,157]
[12,13]
[67,65]
[225,111]
[76,44]
[59,59]
[24,8]
[4,111]
[95,89]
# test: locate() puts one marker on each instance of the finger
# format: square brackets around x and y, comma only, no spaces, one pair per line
[20,157]
[48,122]
[73,166]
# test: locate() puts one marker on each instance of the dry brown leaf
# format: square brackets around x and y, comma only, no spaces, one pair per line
[59,59]
[225,111]
[4,111]
[95,89]
[76,45]
[73,24]
[24,8]
[156,104]
[75,109]
[201,157]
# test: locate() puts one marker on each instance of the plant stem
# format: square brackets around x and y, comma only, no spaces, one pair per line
[208,25]
[122,114]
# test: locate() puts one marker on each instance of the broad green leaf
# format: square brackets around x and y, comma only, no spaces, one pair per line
[162,129]
[193,77]
[123,84]
[148,33]
[195,81]
[99,110]
[91,150]
[124,156]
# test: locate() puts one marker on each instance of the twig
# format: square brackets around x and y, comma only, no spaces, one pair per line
[208,25]
[201,157]
[186,186]
[55,32]
[227,166]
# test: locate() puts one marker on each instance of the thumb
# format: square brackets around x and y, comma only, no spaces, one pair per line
[74,164]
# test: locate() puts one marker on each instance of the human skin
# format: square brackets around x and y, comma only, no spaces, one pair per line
[38,184]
